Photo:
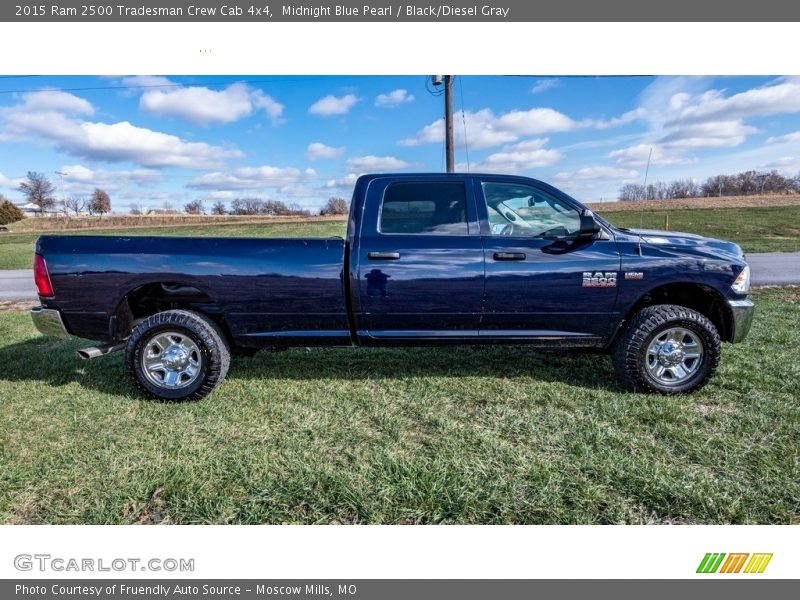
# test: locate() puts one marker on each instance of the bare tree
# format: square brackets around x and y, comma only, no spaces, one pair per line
[335,206]
[195,207]
[135,209]
[100,202]
[219,208]
[38,190]
[76,204]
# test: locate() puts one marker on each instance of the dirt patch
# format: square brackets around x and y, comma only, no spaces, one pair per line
[27,514]
[711,409]
[17,305]
[683,203]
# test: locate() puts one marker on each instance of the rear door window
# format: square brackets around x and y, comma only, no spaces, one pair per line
[432,208]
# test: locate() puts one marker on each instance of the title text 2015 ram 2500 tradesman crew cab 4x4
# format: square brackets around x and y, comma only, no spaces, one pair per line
[429,259]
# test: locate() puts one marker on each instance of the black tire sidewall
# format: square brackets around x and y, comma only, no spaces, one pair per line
[202,333]
[700,374]
[629,351]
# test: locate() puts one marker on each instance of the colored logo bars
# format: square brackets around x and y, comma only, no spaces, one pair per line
[713,562]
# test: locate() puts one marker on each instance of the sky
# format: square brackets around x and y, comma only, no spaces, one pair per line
[161,141]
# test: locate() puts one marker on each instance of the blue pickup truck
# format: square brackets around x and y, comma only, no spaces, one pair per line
[429,259]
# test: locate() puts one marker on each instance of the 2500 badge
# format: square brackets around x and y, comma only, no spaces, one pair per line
[600,279]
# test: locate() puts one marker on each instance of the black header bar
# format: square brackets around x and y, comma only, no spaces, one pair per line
[396,10]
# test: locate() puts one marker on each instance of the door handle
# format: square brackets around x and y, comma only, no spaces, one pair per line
[383,255]
[509,256]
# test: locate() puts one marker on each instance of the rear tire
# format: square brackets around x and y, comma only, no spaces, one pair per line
[666,349]
[177,355]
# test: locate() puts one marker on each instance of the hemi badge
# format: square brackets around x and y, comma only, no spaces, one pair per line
[634,275]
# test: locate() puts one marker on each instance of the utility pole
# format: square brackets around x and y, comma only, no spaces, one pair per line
[448,123]
[63,196]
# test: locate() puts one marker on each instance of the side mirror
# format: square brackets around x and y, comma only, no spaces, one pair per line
[589,226]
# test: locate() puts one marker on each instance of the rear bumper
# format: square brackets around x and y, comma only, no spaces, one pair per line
[742,311]
[49,322]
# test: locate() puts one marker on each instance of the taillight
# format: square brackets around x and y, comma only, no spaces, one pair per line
[42,277]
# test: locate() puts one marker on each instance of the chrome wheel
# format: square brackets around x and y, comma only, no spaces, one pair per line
[674,356]
[172,360]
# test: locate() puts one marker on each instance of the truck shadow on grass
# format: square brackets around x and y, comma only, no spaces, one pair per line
[54,362]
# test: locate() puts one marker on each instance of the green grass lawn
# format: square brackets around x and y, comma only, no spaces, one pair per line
[757,229]
[500,435]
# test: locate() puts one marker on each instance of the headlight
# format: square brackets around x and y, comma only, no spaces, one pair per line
[742,283]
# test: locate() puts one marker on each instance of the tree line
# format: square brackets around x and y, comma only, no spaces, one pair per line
[746,183]
[260,206]
[40,191]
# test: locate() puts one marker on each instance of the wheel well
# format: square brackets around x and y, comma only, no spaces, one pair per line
[152,298]
[703,299]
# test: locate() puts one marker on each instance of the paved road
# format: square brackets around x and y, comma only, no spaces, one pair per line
[17,285]
[773,268]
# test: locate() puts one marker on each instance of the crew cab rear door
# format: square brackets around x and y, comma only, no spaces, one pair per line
[542,280]
[420,268]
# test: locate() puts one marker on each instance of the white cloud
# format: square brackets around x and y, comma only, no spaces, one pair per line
[371,164]
[628,117]
[518,158]
[333,105]
[719,134]
[597,173]
[203,106]
[9,182]
[485,129]
[784,139]
[81,179]
[348,181]
[542,85]
[637,156]
[252,178]
[53,119]
[394,98]
[779,98]
[145,81]
[684,117]
[56,101]
[784,163]
[318,150]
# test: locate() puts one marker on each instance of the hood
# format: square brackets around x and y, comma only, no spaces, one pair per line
[688,242]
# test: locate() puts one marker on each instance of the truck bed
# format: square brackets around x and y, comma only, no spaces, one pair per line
[267,289]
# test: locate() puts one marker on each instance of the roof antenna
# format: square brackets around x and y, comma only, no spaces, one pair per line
[641,212]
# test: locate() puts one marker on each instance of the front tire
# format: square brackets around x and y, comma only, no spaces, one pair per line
[667,349]
[177,355]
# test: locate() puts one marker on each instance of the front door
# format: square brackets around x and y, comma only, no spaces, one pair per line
[542,279]
[420,261]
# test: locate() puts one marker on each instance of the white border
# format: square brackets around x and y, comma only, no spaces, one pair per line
[410,552]
[400,48]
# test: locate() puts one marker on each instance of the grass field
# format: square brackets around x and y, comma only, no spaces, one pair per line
[500,435]
[16,249]
[756,229]
[773,229]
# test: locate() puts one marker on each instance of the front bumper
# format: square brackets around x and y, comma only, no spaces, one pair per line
[742,311]
[48,321]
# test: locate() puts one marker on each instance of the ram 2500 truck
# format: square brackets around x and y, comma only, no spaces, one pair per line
[429,259]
